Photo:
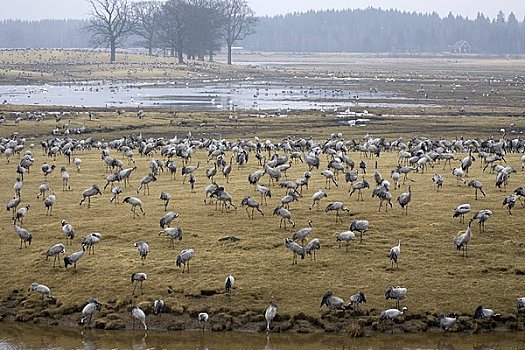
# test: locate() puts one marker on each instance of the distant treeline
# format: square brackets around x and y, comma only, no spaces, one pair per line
[368,30]
[43,34]
[376,30]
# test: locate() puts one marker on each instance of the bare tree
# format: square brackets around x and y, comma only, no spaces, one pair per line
[110,23]
[239,22]
[174,27]
[146,16]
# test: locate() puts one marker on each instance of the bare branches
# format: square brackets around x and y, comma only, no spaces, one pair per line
[111,22]
[239,22]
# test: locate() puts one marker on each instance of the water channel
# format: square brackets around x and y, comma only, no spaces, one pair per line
[17,336]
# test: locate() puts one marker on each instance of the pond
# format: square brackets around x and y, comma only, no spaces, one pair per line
[26,336]
[199,96]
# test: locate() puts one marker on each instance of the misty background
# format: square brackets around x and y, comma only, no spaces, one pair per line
[417,30]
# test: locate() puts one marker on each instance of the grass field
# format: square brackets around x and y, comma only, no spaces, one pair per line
[439,279]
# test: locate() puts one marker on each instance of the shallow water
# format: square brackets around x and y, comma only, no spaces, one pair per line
[26,336]
[204,95]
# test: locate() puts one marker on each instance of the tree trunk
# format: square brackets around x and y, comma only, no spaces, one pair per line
[181,57]
[113,49]
[211,56]
[229,53]
[150,51]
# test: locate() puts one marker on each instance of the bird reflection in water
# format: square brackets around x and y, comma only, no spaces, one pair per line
[445,346]
[269,345]
[139,343]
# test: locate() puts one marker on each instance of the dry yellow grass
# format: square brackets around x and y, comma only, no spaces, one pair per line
[438,279]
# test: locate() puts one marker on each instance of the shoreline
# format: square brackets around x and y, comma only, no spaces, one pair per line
[115,315]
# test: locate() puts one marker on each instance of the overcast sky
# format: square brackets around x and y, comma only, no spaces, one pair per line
[38,9]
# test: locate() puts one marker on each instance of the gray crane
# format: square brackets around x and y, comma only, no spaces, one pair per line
[68,230]
[166,197]
[285,216]
[357,299]
[336,206]
[269,315]
[316,198]
[249,202]
[303,233]
[89,242]
[55,252]
[312,246]
[395,251]
[295,248]
[446,322]
[90,192]
[476,184]
[88,310]
[398,293]
[360,226]
[73,259]
[359,186]
[166,220]
[345,236]
[438,180]
[42,289]
[332,302]
[25,236]
[404,199]
[143,249]
[460,212]
[463,240]
[482,216]
[138,314]
[138,278]
[183,259]
[173,234]
[135,202]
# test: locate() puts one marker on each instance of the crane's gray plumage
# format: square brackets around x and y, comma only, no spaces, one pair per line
[390,314]
[463,240]
[460,211]
[138,278]
[166,197]
[135,202]
[269,315]
[229,282]
[90,192]
[482,216]
[395,251]
[249,202]
[295,248]
[55,252]
[138,314]
[68,230]
[158,307]
[90,241]
[303,233]
[397,293]
[482,313]
[476,184]
[438,180]
[404,199]
[42,289]
[168,218]
[203,318]
[357,299]
[20,214]
[360,226]
[173,233]
[88,310]
[337,206]
[446,322]
[312,246]
[143,249]
[73,259]
[316,198]
[25,236]
[510,202]
[285,216]
[332,302]
[183,259]
[345,236]
[359,186]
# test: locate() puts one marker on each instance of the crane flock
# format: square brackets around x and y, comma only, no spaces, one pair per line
[276,165]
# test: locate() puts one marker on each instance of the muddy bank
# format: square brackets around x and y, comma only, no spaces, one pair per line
[17,306]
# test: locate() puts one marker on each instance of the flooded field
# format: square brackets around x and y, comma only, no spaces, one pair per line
[23,336]
[216,95]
